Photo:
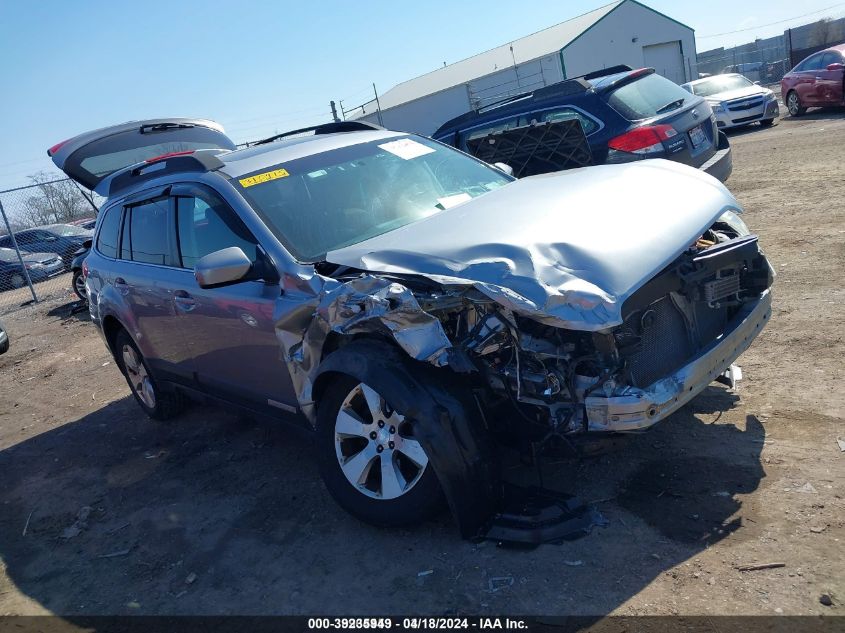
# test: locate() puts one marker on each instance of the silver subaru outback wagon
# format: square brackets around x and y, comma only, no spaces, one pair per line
[419,310]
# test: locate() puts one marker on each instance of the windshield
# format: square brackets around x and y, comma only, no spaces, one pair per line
[67,230]
[330,200]
[646,97]
[720,84]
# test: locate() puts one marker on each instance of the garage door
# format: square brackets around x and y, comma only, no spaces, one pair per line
[666,59]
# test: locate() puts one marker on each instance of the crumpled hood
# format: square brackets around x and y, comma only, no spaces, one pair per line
[565,248]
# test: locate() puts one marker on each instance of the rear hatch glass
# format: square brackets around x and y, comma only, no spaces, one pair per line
[647,97]
[93,156]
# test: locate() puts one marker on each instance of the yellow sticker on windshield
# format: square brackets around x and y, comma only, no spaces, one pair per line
[265,177]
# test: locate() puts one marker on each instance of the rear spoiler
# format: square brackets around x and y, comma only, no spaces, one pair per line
[194,161]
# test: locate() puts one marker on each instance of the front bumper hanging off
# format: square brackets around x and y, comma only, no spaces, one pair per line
[638,409]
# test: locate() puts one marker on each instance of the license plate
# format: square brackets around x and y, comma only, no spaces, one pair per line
[697,137]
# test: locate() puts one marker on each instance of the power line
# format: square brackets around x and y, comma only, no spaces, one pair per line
[760,26]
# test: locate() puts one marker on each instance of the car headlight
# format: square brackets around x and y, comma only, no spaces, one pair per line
[718,107]
[732,219]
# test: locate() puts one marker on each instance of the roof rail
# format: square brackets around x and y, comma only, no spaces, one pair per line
[325,128]
[193,161]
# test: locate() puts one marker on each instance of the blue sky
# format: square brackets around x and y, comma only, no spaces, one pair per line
[262,66]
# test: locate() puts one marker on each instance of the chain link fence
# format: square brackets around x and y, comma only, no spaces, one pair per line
[42,226]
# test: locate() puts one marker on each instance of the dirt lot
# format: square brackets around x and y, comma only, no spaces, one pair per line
[220,515]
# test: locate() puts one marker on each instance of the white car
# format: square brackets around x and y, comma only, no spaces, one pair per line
[736,100]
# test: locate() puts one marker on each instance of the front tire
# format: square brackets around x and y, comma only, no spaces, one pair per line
[793,104]
[369,460]
[767,122]
[156,403]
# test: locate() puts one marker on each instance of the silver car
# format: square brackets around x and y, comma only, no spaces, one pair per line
[417,309]
[736,100]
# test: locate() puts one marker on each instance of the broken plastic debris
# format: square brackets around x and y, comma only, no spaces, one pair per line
[499,582]
[807,488]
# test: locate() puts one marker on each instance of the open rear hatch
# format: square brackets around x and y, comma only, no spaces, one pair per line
[93,156]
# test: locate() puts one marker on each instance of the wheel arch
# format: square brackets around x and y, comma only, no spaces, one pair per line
[447,422]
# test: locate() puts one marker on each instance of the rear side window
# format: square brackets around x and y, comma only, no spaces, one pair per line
[109,232]
[566,114]
[646,97]
[206,224]
[148,231]
[494,126]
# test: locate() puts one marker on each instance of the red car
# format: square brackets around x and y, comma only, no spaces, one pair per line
[816,81]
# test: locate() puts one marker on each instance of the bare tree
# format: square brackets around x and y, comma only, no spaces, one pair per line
[53,202]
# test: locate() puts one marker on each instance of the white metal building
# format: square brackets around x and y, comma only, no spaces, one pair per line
[623,32]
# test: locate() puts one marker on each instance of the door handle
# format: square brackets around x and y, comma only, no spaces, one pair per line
[121,285]
[184,301]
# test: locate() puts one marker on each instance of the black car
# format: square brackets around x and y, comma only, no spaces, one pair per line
[77,266]
[625,114]
[40,266]
[64,239]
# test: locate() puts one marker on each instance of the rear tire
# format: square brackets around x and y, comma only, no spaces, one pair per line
[793,104]
[17,280]
[156,403]
[78,284]
[354,464]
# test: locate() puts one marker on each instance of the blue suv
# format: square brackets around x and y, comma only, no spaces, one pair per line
[625,114]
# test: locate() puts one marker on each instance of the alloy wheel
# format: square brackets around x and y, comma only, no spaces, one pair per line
[792,104]
[79,286]
[17,281]
[139,379]
[375,446]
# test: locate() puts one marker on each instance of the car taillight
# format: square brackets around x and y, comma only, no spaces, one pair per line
[643,140]
[85,269]
[156,159]
[56,148]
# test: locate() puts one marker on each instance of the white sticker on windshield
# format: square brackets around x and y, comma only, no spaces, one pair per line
[451,201]
[406,148]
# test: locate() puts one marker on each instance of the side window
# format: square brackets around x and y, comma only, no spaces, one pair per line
[811,63]
[207,224]
[564,114]
[109,231]
[830,58]
[148,232]
[494,126]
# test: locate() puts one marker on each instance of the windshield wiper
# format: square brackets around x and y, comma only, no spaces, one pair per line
[672,105]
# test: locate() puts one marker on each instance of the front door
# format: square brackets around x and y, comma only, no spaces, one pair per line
[230,330]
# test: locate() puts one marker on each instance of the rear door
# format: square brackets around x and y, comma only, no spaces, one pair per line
[91,157]
[147,278]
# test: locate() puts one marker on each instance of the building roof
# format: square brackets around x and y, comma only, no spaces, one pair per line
[549,41]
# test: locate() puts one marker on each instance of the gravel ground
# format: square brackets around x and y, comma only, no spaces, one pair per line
[104,512]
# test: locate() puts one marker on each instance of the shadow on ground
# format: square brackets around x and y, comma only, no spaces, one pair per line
[214,514]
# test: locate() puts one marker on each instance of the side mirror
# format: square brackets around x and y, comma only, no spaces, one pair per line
[504,167]
[226,266]
[836,66]
[756,83]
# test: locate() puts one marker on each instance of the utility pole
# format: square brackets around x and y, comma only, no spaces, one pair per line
[18,251]
[378,106]
[334,112]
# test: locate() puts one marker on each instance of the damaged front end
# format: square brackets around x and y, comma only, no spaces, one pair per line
[680,331]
